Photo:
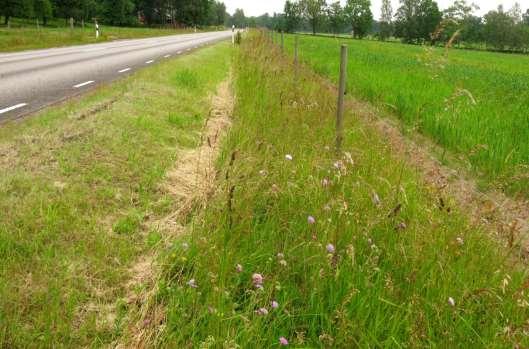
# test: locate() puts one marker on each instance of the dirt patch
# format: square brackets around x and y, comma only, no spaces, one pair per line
[190,182]
[505,218]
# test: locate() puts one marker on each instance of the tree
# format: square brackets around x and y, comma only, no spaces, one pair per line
[219,13]
[428,19]
[406,20]
[10,8]
[239,19]
[386,20]
[457,18]
[526,17]
[336,16]
[416,20]
[498,28]
[313,11]
[359,15]
[117,12]
[291,16]
[43,10]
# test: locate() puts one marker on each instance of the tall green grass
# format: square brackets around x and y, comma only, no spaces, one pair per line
[475,104]
[78,183]
[353,249]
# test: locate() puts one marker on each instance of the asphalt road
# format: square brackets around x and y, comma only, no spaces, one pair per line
[31,80]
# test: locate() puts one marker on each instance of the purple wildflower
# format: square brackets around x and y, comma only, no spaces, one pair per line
[239,268]
[330,248]
[274,305]
[192,283]
[283,341]
[311,220]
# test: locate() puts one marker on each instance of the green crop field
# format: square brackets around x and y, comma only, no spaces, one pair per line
[303,246]
[24,35]
[474,104]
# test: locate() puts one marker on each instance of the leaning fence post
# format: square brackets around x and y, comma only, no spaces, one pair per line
[296,49]
[341,97]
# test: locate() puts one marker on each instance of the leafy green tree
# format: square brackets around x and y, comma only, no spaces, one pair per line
[118,12]
[472,29]
[10,8]
[428,19]
[359,15]
[313,11]
[239,19]
[292,16]
[336,17]
[456,19]
[219,13]
[386,20]
[498,28]
[526,17]
[416,20]
[43,10]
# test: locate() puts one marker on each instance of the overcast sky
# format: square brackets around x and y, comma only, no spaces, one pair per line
[259,7]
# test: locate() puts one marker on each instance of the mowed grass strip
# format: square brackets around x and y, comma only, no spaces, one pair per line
[78,183]
[474,104]
[24,35]
[319,250]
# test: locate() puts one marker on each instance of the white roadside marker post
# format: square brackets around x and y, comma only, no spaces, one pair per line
[97,28]
[233,34]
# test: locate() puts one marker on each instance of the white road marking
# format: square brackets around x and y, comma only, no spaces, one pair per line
[188,49]
[149,62]
[95,49]
[84,84]
[166,56]
[179,52]
[124,70]
[20,105]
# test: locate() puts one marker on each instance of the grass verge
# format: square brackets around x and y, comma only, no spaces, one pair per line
[319,250]
[78,183]
[28,37]
[472,103]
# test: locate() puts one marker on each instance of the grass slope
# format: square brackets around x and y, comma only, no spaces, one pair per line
[22,36]
[434,94]
[354,250]
[77,182]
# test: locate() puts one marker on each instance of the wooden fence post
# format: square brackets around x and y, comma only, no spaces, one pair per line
[341,97]
[71,23]
[282,41]
[296,39]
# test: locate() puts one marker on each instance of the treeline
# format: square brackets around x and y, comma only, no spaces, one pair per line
[414,21]
[120,12]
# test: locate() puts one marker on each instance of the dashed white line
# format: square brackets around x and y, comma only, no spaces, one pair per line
[5,110]
[149,62]
[84,84]
[124,70]
[166,56]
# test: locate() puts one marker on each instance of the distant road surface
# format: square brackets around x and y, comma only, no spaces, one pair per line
[31,80]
